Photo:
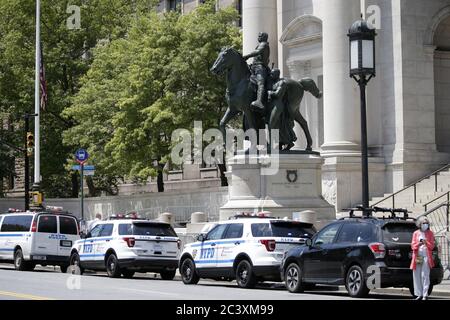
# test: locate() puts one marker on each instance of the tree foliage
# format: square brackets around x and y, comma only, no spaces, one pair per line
[142,87]
[67,57]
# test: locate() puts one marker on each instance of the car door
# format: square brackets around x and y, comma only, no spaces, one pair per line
[230,246]
[69,233]
[207,257]
[87,252]
[102,243]
[46,241]
[352,236]
[340,248]
[315,260]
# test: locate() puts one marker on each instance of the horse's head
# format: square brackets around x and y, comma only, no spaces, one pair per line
[224,61]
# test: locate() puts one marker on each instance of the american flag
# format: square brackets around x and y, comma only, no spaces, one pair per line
[43,83]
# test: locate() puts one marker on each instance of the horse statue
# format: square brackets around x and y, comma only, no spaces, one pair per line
[241,92]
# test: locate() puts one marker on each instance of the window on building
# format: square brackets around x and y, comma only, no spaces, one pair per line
[174,4]
[239,9]
[11,181]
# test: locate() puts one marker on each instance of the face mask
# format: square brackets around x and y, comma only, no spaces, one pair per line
[425,227]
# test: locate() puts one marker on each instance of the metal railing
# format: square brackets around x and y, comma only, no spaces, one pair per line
[414,186]
[445,195]
[439,218]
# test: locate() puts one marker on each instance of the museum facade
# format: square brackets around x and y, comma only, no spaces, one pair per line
[408,101]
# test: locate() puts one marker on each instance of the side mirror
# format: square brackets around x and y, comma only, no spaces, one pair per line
[88,235]
[201,237]
[308,242]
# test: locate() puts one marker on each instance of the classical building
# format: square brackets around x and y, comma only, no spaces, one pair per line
[408,101]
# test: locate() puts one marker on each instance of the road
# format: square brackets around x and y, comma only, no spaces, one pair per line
[49,284]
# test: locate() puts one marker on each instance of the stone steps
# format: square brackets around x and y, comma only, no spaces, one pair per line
[425,192]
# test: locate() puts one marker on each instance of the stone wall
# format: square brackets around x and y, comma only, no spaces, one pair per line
[181,203]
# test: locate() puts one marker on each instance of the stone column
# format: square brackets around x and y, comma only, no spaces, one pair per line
[341,108]
[260,16]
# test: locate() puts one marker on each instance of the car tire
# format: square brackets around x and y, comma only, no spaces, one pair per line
[245,277]
[128,274]
[19,263]
[112,266]
[188,273]
[355,282]
[168,274]
[293,279]
[74,262]
[411,290]
[64,268]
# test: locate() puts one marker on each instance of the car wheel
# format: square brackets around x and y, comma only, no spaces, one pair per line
[245,277]
[188,273]
[168,274]
[19,263]
[411,290]
[112,266]
[293,279]
[75,265]
[128,274]
[63,268]
[355,283]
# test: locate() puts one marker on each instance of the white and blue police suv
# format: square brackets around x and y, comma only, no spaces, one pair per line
[123,246]
[42,237]
[246,249]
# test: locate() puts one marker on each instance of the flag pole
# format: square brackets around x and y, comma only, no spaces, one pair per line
[37,109]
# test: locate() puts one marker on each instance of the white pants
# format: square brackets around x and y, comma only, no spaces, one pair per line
[421,278]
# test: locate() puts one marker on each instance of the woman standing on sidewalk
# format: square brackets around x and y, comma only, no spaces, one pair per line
[422,259]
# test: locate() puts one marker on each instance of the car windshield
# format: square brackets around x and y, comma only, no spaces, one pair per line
[399,232]
[147,229]
[286,229]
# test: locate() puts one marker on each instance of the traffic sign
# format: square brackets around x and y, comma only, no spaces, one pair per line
[81,156]
[85,167]
[89,173]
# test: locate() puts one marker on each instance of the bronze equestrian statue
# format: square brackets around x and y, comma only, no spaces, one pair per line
[280,105]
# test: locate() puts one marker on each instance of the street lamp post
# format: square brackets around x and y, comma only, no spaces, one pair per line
[362,70]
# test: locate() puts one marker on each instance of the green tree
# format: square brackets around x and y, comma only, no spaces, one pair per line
[67,57]
[142,87]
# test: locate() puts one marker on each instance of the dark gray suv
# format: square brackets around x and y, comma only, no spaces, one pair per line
[361,253]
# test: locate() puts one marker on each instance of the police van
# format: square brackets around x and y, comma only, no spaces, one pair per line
[123,245]
[247,249]
[37,237]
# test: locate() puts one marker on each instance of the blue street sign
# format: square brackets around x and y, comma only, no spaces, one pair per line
[85,168]
[81,155]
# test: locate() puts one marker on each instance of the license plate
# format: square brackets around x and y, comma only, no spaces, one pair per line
[157,247]
[65,243]
[39,258]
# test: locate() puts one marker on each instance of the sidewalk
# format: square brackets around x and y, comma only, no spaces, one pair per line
[441,290]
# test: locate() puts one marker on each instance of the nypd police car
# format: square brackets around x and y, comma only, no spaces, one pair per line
[123,246]
[43,236]
[245,249]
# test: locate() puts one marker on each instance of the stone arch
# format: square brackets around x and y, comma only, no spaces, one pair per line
[302,29]
[438,38]
[302,42]
[433,26]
